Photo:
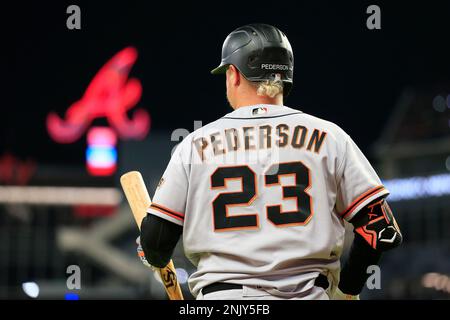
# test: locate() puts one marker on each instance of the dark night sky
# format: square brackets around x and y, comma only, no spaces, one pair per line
[344,72]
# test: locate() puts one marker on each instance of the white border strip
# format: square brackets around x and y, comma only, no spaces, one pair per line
[60,195]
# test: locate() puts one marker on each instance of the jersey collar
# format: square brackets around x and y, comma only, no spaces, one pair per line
[259,111]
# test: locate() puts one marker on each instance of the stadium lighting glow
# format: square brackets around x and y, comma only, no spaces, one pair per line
[418,187]
[101,153]
[101,136]
[439,103]
[437,281]
[31,289]
[71,296]
[101,156]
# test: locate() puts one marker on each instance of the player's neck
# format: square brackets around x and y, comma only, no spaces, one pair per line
[251,101]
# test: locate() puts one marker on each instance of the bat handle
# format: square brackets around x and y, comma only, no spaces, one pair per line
[169,278]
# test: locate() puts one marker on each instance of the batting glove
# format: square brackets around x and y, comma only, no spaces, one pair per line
[141,254]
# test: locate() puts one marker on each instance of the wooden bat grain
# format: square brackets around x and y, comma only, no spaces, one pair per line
[139,200]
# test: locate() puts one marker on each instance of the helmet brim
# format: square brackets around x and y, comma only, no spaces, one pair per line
[220,69]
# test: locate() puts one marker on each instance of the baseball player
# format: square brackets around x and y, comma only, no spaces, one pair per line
[260,195]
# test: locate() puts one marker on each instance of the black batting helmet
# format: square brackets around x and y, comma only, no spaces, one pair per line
[260,52]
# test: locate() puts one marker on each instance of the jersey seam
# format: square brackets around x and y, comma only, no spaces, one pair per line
[341,165]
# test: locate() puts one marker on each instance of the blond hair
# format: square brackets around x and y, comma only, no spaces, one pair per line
[270,88]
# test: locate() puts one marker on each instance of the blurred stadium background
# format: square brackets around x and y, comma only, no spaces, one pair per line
[60,200]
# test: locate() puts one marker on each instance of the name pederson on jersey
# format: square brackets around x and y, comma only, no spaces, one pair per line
[261,194]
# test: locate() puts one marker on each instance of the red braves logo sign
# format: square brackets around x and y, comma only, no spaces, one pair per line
[110,94]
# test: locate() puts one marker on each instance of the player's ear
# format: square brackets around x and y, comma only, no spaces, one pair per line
[234,75]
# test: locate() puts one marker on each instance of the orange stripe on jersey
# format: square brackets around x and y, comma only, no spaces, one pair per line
[360,199]
[167,211]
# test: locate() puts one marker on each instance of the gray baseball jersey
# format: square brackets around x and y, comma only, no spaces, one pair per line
[261,194]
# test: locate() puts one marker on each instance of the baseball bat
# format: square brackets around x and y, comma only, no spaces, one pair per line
[136,193]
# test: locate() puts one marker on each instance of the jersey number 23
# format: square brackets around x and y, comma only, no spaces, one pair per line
[299,192]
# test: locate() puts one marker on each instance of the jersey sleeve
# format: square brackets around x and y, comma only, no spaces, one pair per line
[357,182]
[169,200]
